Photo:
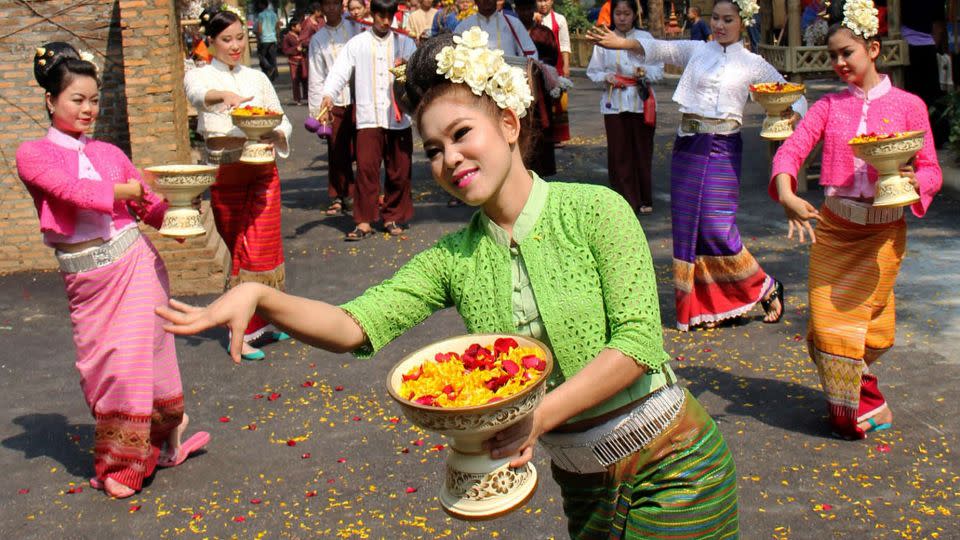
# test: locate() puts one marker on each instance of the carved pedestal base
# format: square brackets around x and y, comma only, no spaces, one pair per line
[776,128]
[894,191]
[478,488]
[182,223]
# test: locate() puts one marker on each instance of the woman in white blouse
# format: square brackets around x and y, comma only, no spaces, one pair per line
[715,277]
[245,198]
[629,137]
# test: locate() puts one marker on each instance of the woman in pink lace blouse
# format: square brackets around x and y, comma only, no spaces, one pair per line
[87,193]
[857,248]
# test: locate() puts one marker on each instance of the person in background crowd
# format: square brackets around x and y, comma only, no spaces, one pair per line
[542,158]
[557,24]
[505,33]
[89,197]
[311,23]
[294,51]
[266,28]
[383,130]
[448,16]
[246,197]
[325,46]
[699,30]
[419,22]
[715,277]
[923,26]
[629,136]
[358,11]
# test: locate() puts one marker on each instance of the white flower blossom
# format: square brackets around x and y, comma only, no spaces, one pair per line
[748,8]
[484,71]
[861,17]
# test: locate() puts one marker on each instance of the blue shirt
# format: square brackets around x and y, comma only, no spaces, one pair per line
[267,20]
[700,31]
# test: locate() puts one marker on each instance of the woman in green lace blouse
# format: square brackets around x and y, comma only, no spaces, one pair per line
[565,263]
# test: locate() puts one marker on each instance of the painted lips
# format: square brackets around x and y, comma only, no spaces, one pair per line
[463,179]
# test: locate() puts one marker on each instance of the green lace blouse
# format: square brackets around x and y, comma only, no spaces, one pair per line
[588,266]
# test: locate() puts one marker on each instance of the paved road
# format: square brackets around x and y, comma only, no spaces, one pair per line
[355,459]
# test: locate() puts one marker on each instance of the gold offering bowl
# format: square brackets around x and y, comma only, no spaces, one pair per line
[180,184]
[254,126]
[887,156]
[476,487]
[775,103]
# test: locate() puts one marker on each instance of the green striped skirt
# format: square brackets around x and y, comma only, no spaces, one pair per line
[683,485]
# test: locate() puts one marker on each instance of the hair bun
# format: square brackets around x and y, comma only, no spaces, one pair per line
[48,56]
[421,73]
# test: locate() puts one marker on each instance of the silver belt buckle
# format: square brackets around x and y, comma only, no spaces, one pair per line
[692,126]
[101,257]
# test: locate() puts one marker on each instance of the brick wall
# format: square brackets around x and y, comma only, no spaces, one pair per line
[137,44]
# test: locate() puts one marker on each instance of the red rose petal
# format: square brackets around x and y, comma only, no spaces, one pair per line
[680,358]
[883,448]
[708,349]
[135,508]
[405,451]
[305,456]
[530,361]
[258,396]
[311,493]
[23,491]
[494,399]
[413,376]
[75,489]
[224,419]
[291,442]
[504,345]
[312,364]
[418,442]
[439,447]
[251,427]
[511,367]
[411,490]
[356,418]
[339,389]
[394,420]
[342,460]
[827,507]
[273,397]
[197,517]
[255,501]
[239,519]
[430,401]
[307,384]
[330,480]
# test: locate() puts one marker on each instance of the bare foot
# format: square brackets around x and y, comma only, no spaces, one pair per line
[173,441]
[117,490]
[247,349]
[776,310]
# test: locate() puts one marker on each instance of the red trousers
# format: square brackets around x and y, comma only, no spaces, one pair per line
[630,157]
[340,152]
[393,147]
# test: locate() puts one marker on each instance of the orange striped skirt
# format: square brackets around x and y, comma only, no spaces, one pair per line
[853,269]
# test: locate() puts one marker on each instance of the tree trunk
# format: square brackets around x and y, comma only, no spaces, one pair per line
[655,18]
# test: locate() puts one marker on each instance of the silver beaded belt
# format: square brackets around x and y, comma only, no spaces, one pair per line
[862,213]
[692,123]
[594,450]
[99,256]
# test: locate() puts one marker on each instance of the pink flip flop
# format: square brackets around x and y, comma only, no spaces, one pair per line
[95,483]
[195,443]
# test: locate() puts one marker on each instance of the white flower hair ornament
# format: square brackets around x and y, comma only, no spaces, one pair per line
[484,71]
[748,8]
[233,9]
[861,17]
[88,57]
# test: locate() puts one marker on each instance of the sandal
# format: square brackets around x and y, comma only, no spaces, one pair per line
[336,206]
[874,426]
[393,228]
[358,234]
[767,303]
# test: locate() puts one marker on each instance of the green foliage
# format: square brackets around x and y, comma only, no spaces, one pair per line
[575,13]
[948,108]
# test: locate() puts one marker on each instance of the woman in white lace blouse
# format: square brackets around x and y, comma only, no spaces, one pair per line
[716,278]
[246,197]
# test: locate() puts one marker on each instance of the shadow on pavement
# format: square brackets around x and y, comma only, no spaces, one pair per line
[41,432]
[785,405]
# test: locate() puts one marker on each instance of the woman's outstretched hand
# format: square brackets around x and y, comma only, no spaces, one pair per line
[520,437]
[233,310]
[607,38]
[799,215]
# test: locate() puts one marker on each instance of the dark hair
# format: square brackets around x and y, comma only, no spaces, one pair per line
[695,10]
[524,3]
[57,64]
[632,4]
[384,7]
[213,21]
[316,7]
[423,85]
[837,27]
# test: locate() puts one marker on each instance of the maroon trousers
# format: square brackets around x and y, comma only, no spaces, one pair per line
[393,147]
[340,152]
[298,77]
[630,157]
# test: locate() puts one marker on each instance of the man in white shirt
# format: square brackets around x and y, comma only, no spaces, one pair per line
[505,32]
[383,129]
[325,46]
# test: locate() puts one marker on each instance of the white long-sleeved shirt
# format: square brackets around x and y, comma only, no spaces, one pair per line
[369,58]
[716,80]
[562,31]
[606,61]
[503,32]
[325,46]
[214,120]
